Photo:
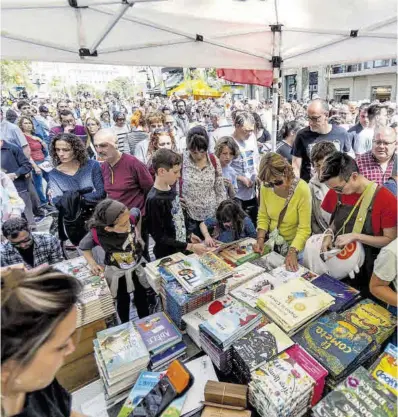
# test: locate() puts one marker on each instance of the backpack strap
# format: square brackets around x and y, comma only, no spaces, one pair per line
[367,202]
[95,236]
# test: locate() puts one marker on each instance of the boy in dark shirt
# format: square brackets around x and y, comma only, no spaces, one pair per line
[164,214]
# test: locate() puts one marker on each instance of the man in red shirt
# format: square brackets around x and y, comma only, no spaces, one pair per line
[348,192]
[377,164]
[126,179]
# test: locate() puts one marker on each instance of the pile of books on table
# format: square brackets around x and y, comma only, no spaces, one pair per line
[242,274]
[238,252]
[96,298]
[154,269]
[256,348]
[162,339]
[385,369]
[281,388]
[196,317]
[180,302]
[218,333]
[358,395]
[337,345]
[121,355]
[269,261]
[344,295]
[146,381]
[294,304]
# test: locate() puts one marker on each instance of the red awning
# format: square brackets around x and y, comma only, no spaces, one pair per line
[246,76]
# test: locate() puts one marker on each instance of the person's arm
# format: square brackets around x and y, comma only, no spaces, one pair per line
[55,254]
[381,290]
[98,182]
[205,232]
[76,414]
[249,229]
[23,162]
[86,245]
[143,177]
[375,241]
[263,221]
[296,164]
[304,224]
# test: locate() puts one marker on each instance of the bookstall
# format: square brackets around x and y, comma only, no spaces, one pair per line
[257,339]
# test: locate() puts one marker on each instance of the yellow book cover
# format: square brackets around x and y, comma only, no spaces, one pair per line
[386,372]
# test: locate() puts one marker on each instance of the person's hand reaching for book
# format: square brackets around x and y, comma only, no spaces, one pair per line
[209,242]
[95,268]
[198,248]
[291,261]
[259,246]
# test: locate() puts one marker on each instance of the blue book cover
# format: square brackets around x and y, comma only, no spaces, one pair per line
[168,353]
[158,332]
[334,342]
[342,293]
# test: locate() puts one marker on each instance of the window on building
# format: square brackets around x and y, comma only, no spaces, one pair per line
[313,83]
[394,62]
[341,94]
[291,91]
[368,65]
[381,93]
[381,63]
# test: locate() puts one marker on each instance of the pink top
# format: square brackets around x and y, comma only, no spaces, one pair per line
[36,149]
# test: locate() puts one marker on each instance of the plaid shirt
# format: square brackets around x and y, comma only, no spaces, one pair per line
[46,249]
[371,169]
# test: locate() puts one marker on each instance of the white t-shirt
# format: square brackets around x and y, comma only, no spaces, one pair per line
[385,266]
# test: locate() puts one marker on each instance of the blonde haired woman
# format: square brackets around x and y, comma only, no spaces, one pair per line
[284,217]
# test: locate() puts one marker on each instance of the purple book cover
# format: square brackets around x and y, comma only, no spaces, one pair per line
[343,293]
[157,330]
[172,351]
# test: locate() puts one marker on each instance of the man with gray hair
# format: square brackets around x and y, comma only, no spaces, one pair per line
[126,179]
[319,130]
[378,163]
[221,126]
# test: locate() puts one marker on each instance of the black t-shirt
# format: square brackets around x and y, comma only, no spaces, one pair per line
[27,255]
[52,401]
[165,222]
[265,137]
[284,149]
[306,139]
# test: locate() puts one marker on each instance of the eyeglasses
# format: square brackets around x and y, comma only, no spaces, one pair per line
[338,190]
[314,119]
[18,244]
[272,184]
[120,120]
[383,143]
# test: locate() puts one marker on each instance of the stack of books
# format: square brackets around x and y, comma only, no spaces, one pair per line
[283,275]
[373,319]
[195,274]
[239,252]
[180,302]
[249,292]
[269,262]
[385,370]
[344,295]
[154,269]
[195,318]
[121,355]
[96,298]
[242,274]
[313,368]
[294,304]
[337,345]
[358,395]
[146,381]
[256,348]
[162,339]
[218,333]
[281,388]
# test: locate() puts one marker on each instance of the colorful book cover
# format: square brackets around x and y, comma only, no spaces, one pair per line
[157,331]
[342,293]
[372,319]
[229,321]
[145,382]
[261,345]
[294,302]
[283,275]
[358,395]
[240,252]
[269,262]
[215,264]
[385,370]
[251,290]
[77,267]
[121,346]
[169,353]
[242,274]
[313,368]
[334,342]
[156,266]
[197,317]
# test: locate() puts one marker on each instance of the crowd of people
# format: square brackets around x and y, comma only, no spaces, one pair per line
[186,174]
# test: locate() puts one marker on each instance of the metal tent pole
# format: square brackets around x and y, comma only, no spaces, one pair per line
[276,65]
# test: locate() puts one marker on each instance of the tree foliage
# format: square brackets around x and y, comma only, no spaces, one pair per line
[121,87]
[15,73]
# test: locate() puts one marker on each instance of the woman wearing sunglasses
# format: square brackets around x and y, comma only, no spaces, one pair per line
[284,217]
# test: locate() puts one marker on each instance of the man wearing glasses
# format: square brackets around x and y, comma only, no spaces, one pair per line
[377,164]
[319,130]
[39,128]
[361,212]
[28,248]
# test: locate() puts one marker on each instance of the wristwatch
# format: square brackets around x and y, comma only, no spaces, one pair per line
[292,249]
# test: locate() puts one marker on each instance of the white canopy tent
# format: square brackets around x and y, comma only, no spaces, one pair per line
[251,34]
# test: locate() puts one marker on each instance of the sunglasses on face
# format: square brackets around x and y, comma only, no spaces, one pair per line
[272,184]
[120,120]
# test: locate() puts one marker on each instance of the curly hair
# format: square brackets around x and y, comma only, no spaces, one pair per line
[154,140]
[79,151]
[229,142]
[154,117]
[273,165]
[20,121]
[137,119]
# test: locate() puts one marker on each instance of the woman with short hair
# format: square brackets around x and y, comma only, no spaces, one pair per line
[284,216]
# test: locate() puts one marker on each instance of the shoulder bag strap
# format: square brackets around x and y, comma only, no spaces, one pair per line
[95,236]
[287,201]
[363,208]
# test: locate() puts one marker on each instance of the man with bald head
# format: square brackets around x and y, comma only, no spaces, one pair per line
[318,130]
[126,179]
[378,163]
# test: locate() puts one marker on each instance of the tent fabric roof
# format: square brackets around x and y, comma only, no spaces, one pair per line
[236,34]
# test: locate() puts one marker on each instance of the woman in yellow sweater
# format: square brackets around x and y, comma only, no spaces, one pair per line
[278,185]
